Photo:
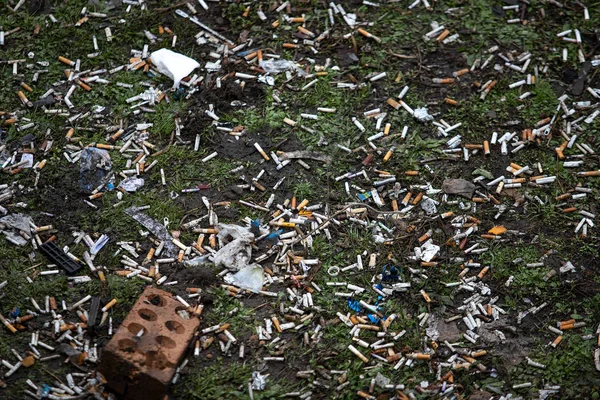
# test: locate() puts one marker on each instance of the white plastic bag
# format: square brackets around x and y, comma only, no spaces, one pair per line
[250,278]
[236,249]
[175,65]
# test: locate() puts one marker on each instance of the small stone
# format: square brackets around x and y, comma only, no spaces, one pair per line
[459,187]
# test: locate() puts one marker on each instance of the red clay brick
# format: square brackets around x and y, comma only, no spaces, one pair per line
[141,368]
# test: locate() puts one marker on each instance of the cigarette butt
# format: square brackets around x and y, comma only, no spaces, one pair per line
[297,20]
[26,87]
[65,60]
[450,101]
[393,103]
[487,236]
[261,151]
[557,341]
[417,198]
[358,353]
[305,31]
[109,305]
[224,327]
[369,35]
[479,353]
[251,55]
[364,395]
[8,324]
[422,356]
[150,253]
[486,147]
[567,327]
[426,296]
[570,209]
[290,46]
[70,133]
[275,24]
[303,204]
[411,173]
[590,173]
[85,87]
[483,272]
[24,98]
[277,324]
[443,35]
[461,72]
[424,237]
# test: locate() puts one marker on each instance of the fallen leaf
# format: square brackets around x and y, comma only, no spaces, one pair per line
[497,230]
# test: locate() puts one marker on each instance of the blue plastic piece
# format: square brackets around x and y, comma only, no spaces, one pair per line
[354,305]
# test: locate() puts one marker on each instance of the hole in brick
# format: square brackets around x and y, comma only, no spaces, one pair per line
[175,327]
[127,345]
[136,328]
[156,300]
[148,315]
[156,359]
[165,341]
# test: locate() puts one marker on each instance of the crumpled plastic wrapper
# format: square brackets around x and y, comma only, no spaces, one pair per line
[422,114]
[131,184]
[274,67]
[249,278]
[236,248]
[427,251]
[259,382]
[428,205]
[19,222]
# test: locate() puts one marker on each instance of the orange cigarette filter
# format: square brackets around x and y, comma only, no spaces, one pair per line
[450,101]
[417,198]
[305,31]
[443,35]
[411,173]
[65,60]
[290,46]
[393,103]
[591,173]
[483,272]
[424,237]
[84,86]
[26,87]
